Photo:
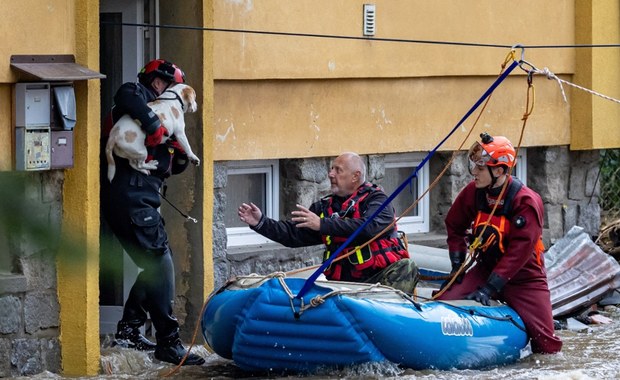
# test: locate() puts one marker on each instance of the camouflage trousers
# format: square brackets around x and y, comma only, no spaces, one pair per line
[402,275]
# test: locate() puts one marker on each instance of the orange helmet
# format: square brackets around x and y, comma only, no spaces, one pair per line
[492,151]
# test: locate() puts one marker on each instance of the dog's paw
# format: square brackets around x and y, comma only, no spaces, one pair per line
[194,160]
[151,165]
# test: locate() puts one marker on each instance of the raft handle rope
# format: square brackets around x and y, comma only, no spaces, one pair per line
[321,298]
[328,262]
[477,312]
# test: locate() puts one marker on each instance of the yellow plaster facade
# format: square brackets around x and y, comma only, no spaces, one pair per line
[308,96]
[207,150]
[595,120]
[78,280]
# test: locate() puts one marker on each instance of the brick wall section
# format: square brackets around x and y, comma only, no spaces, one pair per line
[565,179]
[29,309]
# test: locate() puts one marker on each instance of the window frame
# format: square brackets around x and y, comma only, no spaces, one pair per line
[421,222]
[242,236]
[521,168]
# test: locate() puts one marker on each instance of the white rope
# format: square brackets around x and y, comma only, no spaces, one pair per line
[552,76]
[318,299]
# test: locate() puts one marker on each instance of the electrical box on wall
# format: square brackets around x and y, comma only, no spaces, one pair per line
[32,126]
[44,121]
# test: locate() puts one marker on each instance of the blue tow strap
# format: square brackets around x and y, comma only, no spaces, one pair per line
[310,281]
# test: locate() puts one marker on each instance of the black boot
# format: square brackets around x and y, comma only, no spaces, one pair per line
[171,350]
[129,336]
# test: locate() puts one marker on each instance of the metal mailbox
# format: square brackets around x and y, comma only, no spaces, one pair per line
[44,122]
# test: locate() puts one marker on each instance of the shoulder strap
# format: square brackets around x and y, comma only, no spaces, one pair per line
[513,188]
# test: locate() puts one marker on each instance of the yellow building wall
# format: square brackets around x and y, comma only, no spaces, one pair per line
[595,120]
[291,96]
[310,118]
[78,278]
[35,27]
[258,56]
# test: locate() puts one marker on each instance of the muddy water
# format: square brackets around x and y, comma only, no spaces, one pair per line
[593,353]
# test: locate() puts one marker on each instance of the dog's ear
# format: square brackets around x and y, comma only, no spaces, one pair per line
[189,96]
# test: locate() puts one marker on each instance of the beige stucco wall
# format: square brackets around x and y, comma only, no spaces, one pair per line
[78,279]
[277,119]
[35,27]
[254,56]
[594,119]
[286,96]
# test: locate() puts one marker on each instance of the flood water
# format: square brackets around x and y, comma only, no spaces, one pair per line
[593,353]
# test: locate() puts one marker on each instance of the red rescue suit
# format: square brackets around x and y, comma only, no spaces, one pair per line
[516,258]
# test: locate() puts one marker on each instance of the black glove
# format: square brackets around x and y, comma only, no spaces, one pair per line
[493,286]
[456,259]
[482,295]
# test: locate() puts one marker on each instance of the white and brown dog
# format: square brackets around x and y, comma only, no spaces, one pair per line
[127,138]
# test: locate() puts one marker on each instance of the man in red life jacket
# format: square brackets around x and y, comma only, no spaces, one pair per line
[509,261]
[334,218]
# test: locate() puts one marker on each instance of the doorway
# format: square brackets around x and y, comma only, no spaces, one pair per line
[123,50]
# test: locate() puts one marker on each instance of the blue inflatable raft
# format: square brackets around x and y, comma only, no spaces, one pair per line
[259,324]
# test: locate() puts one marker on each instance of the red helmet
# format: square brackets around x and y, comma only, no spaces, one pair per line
[492,151]
[163,69]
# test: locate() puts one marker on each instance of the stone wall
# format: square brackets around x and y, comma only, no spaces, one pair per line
[565,179]
[567,183]
[29,308]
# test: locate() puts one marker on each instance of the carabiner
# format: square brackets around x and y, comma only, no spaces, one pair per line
[524,66]
[522,50]
[530,75]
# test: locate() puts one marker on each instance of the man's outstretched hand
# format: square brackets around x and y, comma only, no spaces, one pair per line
[250,214]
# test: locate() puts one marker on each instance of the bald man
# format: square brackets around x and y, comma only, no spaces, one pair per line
[337,216]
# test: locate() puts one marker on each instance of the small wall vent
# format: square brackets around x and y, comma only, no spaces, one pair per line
[370,25]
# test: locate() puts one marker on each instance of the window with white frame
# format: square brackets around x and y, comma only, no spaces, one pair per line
[398,167]
[250,181]
[520,170]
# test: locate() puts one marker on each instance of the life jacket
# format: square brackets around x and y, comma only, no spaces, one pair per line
[491,240]
[365,261]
